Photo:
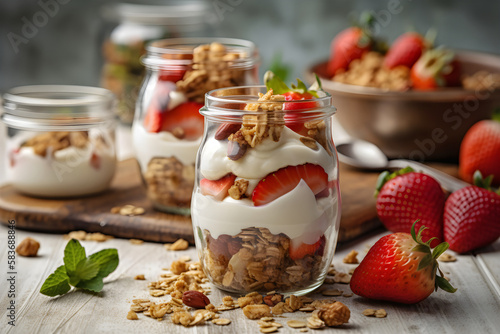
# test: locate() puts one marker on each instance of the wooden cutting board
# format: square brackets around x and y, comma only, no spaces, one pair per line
[92,214]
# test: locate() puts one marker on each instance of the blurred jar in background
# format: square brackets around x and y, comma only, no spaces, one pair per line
[139,24]
[168,127]
[61,140]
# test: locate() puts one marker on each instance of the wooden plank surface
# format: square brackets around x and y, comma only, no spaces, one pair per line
[473,309]
[92,214]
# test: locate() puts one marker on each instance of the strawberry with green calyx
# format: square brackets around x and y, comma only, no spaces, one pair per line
[298,92]
[480,150]
[352,43]
[472,216]
[279,87]
[435,68]
[401,268]
[404,196]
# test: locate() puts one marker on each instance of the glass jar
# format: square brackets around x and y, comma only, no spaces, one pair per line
[168,127]
[61,140]
[139,24]
[266,203]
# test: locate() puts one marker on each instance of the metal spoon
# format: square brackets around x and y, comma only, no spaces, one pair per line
[362,154]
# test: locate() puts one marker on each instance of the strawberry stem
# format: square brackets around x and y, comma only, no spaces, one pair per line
[481,182]
[386,176]
[431,258]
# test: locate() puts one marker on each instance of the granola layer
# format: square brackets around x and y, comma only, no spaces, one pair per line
[257,260]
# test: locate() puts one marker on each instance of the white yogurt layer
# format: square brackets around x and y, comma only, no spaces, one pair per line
[69,172]
[149,145]
[298,214]
[266,157]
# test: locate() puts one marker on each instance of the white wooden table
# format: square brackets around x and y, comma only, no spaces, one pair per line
[474,308]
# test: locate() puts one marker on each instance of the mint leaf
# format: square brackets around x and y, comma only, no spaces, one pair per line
[107,259]
[95,284]
[275,83]
[73,254]
[57,283]
[80,271]
[85,269]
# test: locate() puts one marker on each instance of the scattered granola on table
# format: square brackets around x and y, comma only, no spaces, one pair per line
[447,257]
[381,313]
[351,258]
[28,247]
[128,210]
[82,235]
[180,244]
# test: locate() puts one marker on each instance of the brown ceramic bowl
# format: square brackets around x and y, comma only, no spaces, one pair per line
[419,125]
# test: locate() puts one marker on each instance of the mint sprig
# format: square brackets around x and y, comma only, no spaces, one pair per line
[279,87]
[80,271]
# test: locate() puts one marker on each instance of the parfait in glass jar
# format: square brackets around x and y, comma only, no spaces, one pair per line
[266,204]
[168,127]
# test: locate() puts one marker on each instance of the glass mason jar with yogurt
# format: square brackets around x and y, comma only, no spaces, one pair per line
[266,203]
[60,140]
[168,127]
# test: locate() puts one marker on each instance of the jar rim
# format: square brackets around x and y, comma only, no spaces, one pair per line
[182,46]
[216,102]
[39,105]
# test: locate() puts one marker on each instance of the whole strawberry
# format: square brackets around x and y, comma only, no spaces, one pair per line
[435,68]
[405,196]
[405,50]
[401,268]
[472,216]
[480,150]
[348,45]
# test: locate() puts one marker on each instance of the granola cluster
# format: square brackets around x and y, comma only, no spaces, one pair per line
[212,68]
[169,182]
[266,121]
[369,71]
[256,127]
[257,260]
[54,141]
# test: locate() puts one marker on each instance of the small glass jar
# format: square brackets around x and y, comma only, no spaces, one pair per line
[266,203]
[138,25]
[61,140]
[168,127]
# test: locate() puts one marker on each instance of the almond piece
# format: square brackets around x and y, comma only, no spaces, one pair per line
[225,129]
[235,150]
[195,299]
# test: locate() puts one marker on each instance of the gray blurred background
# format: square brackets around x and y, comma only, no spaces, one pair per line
[66,49]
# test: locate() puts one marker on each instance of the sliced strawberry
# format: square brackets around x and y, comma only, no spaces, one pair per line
[185,116]
[12,156]
[318,248]
[292,119]
[95,161]
[153,120]
[172,75]
[286,179]
[217,188]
